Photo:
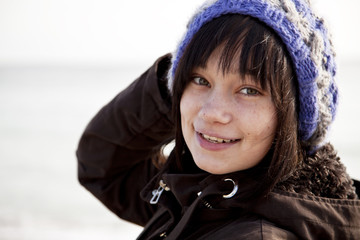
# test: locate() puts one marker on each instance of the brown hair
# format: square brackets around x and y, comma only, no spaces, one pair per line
[261,54]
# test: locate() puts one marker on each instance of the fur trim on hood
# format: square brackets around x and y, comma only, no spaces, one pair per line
[321,175]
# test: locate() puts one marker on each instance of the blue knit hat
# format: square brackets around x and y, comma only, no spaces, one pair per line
[308,43]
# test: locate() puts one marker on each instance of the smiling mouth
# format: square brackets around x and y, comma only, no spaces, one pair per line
[217,140]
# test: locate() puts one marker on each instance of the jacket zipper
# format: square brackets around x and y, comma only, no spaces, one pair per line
[204,202]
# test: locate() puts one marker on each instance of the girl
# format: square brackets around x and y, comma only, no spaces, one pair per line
[248,97]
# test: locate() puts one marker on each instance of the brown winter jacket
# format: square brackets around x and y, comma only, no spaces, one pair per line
[115,164]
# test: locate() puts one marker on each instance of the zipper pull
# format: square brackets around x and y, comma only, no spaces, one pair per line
[156,195]
[157,192]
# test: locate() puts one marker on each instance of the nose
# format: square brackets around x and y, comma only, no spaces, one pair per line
[217,109]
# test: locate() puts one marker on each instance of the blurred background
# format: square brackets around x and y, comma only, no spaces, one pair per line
[62,60]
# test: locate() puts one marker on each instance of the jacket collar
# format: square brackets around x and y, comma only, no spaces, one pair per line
[188,187]
[304,215]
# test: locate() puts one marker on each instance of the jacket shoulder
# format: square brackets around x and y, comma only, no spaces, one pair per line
[311,217]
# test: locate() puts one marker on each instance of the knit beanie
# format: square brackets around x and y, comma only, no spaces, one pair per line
[308,43]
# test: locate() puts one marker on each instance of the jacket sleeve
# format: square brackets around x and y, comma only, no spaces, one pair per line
[116,149]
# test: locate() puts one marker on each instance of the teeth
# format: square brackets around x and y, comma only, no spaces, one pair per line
[217,140]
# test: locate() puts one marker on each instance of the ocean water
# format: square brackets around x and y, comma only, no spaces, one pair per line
[43,113]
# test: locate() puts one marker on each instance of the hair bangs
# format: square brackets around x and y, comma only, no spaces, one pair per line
[246,48]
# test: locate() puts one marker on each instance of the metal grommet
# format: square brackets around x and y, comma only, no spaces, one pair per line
[234,191]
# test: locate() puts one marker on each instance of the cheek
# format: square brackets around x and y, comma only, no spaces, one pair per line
[272,122]
[189,103]
[261,121]
[269,124]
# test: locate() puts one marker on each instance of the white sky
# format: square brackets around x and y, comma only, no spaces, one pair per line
[105,32]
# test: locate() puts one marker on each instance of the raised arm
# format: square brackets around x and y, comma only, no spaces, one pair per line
[115,151]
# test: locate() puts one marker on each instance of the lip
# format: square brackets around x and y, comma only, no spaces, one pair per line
[213,146]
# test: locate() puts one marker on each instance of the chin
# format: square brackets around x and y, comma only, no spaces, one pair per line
[214,167]
[216,170]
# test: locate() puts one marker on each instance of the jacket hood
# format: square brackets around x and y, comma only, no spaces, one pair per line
[322,175]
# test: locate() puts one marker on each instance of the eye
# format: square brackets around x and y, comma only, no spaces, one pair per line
[201,81]
[249,91]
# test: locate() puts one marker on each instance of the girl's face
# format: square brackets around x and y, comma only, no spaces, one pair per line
[228,122]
